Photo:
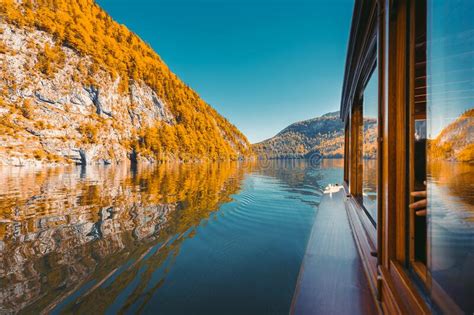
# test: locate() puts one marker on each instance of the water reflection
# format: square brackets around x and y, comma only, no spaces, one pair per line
[451,231]
[369,187]
[368,128]
[62,226]
[302,176]
[170,239]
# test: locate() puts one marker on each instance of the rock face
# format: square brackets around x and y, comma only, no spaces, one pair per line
[62,120]
[58,104]
[323,136]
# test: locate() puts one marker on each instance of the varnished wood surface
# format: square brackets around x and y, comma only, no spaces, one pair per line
[395,22]
[332,279]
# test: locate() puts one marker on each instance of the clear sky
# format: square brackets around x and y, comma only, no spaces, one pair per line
[263,64]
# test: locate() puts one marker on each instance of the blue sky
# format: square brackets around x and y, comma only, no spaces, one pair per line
[263,64]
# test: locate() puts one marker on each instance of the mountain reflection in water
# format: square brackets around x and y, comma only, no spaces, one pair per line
[62,226]
[171,239]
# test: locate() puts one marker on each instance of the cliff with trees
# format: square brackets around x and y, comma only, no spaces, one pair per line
[76,86]
[456,141]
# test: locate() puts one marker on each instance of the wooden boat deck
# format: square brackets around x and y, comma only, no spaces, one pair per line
[332,278]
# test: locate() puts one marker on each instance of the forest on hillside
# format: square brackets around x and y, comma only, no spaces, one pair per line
[194,131]
[323,136]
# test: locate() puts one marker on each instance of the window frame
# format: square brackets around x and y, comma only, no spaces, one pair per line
[365,229]
[359,133]
[418,269]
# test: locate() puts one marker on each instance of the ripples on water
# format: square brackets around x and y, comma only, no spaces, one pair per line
[451,229]
[211,238]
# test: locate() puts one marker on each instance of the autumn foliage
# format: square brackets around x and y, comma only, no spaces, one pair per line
[455,141]
[197,130]
[50,60]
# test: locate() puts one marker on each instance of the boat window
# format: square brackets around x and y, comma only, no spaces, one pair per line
[417,151]
[442,152]
[346,152]
[368,137]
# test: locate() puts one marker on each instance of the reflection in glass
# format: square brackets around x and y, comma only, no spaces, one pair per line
[417,152]
[369,148]
[450,133]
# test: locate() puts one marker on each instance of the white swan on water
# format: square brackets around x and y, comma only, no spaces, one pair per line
[330,189]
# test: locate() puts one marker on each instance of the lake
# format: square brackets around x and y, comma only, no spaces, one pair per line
[222,238]
[218,238]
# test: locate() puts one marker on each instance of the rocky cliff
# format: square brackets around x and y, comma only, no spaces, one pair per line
[77,87]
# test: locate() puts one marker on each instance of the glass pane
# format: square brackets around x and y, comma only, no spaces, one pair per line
[417,167]
[369,148]
[450,133]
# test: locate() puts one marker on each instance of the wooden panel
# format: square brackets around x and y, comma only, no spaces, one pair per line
[363,240]
[406,290]
[355,147]
[357,153]
[381,35]
[332,279]
[360,54]
[385,196]
[391,303]
[394,134]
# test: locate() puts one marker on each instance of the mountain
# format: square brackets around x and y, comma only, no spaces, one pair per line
[455,141]
[325,136]
[322,135]
[76,86]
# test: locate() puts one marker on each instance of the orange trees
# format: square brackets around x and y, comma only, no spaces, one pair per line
[83,26]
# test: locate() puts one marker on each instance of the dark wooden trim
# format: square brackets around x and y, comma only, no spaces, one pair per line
[360,55]
[405,288]
[381,35]
[363,242]
[346,152]
[394,138]
[354,181]
[367,227]
[365,237]
[410,111]
[391,302]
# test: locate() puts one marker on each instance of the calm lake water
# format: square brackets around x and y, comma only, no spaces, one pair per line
[224,238]
[451,230]
[204,239]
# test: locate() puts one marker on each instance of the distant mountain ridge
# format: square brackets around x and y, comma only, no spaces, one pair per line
[323,135]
